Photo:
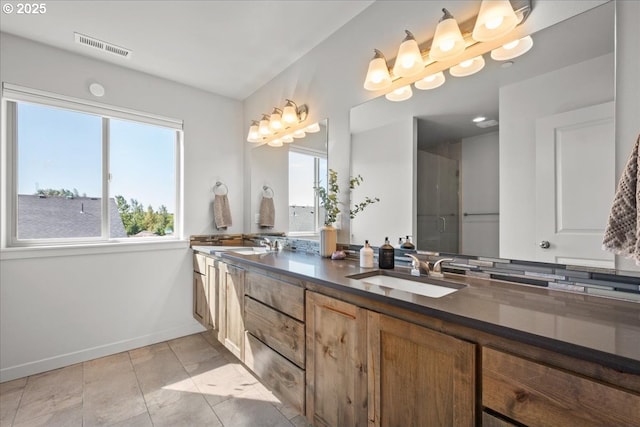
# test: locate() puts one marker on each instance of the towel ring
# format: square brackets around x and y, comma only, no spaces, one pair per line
[218,185]
[268,191]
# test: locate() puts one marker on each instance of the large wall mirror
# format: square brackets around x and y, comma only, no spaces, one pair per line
[539,168]
[288,174]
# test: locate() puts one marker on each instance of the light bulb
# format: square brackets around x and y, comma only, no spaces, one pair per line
[263,127]
[468,67]
[409,59]
[400,94]
[290,113]
[431,81]
[447,40]
[495,19]
[512,49]
[275,120]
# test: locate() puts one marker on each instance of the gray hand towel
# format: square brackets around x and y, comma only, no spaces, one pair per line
[221,211]
[267,217]
[622,235]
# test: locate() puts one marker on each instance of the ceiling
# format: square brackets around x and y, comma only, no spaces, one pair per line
[230,48]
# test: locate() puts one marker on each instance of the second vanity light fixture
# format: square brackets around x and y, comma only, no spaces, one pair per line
[453,46]
[282,125]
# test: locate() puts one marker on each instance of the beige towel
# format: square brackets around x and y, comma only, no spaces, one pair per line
[622,235]
[267,217]
[221,211]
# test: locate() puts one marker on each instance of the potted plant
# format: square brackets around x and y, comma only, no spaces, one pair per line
[329,201]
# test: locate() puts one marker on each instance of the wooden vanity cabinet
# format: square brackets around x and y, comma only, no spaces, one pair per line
[200,289]
[417,376]
[536,394]
[232,315]
[336,362]
[274,346]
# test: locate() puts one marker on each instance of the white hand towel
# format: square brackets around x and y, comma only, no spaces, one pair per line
[622,235]
[221,211]
[267,214]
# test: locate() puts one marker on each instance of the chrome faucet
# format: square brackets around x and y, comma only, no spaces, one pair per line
[416,264]
[437,268]
[267,243]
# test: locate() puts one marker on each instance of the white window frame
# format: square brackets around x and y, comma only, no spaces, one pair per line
[11,95]
[317,221]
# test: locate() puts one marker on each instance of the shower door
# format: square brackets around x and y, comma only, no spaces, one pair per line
[438,203]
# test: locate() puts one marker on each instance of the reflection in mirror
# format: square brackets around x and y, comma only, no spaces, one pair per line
[538,167]
[290,173]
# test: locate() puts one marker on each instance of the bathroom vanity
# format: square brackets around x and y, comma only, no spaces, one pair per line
[346,351]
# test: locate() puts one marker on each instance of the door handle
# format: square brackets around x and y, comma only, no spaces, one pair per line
[544,244]
[444,224]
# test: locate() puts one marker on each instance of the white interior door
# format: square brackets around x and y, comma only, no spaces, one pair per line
[575,185]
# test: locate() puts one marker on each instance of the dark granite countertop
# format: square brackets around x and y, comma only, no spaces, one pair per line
[599,329]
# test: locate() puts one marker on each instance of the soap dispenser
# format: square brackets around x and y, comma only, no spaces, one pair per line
[407,244]
[386,255]
[366,256]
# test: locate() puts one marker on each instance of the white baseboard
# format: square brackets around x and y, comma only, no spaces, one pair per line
[55,362]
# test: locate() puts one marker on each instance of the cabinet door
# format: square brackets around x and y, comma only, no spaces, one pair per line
[233,282]
[213,295]
[199,298]
[336,362]
[417,376]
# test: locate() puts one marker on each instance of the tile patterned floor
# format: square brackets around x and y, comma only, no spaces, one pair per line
[189,381]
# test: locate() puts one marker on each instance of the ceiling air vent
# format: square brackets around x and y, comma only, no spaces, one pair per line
[102,45]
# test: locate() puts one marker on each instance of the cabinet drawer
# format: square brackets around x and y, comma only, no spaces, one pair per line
[283,296]
[537,395]
[279,331]
[282,376]
[199,263]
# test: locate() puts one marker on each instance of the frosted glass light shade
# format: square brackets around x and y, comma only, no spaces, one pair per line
[254,134]
[263,128]
[431,82]
[513,49]
[400,94]
[409,59]
[468,67]
[300,133]
[275,143]
[447,41]
[275,120]
[290,113]
[287,139]
[495,19]
[378,77]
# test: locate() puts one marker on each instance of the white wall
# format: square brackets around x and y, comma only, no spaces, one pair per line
[479,176]
[66,306]
[581,85]
[384,153]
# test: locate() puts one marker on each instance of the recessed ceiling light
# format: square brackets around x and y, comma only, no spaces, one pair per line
[479,119]
[96,89]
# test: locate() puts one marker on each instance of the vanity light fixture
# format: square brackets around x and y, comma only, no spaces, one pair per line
[478,119]
[432,81]
[512,49]
[281,126]
[447,41]
[495,19]
[493,30]
[400,94]
[467,67]
[409,59]
[378,76]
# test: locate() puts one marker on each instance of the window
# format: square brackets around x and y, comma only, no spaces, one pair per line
[85,172]
[307,169]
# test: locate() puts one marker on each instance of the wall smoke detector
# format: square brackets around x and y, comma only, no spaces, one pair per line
[102,45]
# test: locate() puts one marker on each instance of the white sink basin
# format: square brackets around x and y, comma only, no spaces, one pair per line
[420,286]
[249,251]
